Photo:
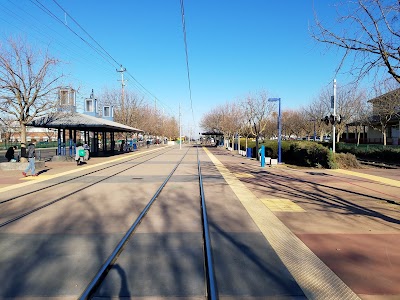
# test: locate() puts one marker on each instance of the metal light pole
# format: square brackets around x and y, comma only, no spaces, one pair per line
[180,128]
[334,117]
[315,133]
[279,128]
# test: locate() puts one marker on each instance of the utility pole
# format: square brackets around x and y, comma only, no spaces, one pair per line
[334,117]
[180,128]
[122,70]
[190,131]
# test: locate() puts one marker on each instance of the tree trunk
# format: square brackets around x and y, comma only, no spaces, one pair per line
[384,136]
[23,133]
[23,142]
[257,156]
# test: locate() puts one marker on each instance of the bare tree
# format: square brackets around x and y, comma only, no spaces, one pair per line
[295,123]
[246,131]
[317,110]
[226,119]
[362,113]
[171,128]
[7,127]
[28,83]
[257,110]
[349,103]
[385,107]
[212,120]
[369,32]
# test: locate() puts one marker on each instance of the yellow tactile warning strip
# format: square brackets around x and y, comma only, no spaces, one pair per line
[35,179]
[315,279]
[243,175]
[43,177]
[387,181]
[284,205]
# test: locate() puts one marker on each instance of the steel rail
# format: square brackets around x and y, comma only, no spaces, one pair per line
[378,164]
[212,292]
[73,192]
[105,268]
[88,173]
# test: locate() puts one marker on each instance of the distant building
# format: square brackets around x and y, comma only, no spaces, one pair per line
[66,102]
[385,113]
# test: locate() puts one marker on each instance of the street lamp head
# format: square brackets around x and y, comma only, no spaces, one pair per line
[274,99]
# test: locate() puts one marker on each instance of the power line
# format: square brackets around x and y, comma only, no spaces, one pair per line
[108,54]
[46,10]
[17,16]
[187,56]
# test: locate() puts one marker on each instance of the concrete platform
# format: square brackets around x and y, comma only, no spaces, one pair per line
[7,166]
[349,219]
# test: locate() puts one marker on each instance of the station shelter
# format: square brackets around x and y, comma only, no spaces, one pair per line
[95,128]
[98,133]
[212,138]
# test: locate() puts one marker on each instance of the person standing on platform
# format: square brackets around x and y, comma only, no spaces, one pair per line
[10,153]
[79,154]
[87,151]
[23,157]
[30,152]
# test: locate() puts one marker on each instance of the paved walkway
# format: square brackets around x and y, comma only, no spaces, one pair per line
[348,218]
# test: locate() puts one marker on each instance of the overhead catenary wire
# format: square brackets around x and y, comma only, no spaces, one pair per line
[42,36]
[108,54]
[89,42]
[187,56]
[46,10]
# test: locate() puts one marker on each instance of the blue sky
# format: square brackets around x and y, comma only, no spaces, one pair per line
[235,47]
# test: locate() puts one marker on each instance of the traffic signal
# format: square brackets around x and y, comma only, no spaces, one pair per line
[332,119]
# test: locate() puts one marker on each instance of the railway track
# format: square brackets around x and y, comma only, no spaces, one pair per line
[378,164]
[210,283]
[112,170]
[76,178]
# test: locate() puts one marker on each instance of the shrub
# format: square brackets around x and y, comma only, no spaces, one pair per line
[308,154]
[372,152]
[331,160]
[346,161]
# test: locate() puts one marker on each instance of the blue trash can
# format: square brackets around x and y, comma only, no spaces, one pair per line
[249,152]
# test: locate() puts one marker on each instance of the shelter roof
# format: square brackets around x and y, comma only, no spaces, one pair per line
[212,133]
[394,94]
[78,121]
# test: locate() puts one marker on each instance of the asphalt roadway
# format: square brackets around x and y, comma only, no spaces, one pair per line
[277,232]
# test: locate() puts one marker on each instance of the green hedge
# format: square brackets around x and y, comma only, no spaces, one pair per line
[307,154]
[301,153]
[382,153]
